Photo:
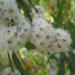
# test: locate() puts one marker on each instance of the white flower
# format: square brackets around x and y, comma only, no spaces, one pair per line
[48,39]
[15,31]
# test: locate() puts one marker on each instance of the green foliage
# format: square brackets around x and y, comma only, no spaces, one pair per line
[35,1]
[18,64]
[30,45]
[71,27]
[71,62]
[29,64]
[61,70]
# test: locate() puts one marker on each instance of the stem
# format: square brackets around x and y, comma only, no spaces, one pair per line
[10,61]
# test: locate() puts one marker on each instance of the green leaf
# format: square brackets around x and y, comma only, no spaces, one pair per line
[71,62]
[61,70]
[30,46]
[18,64]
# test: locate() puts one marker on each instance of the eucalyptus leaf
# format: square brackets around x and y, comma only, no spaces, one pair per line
[18,64]
[30,45]
[61,70]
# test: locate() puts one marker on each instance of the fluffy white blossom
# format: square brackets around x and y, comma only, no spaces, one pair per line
[47,38]
[14,29]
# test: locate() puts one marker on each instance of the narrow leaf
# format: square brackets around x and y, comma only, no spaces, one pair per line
[18,64]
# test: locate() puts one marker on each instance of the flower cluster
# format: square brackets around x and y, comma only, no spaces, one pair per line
[15,30]
[47,38]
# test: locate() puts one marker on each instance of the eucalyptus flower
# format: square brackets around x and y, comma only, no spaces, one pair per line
[48,39]
[14,28]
